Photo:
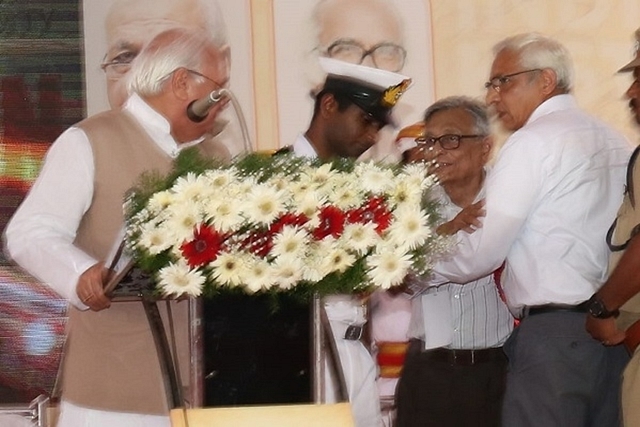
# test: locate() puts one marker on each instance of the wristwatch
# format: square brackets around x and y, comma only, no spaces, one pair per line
[597,309]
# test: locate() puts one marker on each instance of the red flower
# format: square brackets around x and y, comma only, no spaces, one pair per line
[258,243]
[288,219]
[332,222]
[205,246]
[375,210]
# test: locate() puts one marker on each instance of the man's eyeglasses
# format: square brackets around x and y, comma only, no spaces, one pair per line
[218,85]
[497,82]
[115,69]
[195,73]
[447,142]
[387,56]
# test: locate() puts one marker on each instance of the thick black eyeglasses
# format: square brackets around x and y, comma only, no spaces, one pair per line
[387,56]
[447,142]
[497,82]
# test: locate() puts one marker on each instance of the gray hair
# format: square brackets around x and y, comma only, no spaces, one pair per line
[167,52]
[536,51]
[476,108]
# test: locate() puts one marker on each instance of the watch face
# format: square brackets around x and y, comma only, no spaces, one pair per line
[597,309]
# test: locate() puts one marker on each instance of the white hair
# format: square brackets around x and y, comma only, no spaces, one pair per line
[168,51]
[536,51]
[208,12]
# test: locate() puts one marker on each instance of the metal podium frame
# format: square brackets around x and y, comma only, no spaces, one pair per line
[323,346]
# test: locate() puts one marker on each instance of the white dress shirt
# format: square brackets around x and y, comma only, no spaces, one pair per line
[554,190]
[477,317]
[357,364]
[303,148]
[41,233]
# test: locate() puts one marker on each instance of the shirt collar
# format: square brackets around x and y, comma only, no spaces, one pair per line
[303,148]
[156,126]
[555,103]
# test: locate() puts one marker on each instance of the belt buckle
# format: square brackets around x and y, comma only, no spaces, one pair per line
[353,332]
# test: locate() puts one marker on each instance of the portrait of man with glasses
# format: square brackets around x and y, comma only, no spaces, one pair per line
[391,35]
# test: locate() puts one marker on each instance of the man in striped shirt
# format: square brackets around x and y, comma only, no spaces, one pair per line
[454,372]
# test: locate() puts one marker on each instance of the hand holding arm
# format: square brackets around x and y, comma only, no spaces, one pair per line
[468,219]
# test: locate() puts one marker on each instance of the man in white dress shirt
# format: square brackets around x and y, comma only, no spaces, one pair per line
[354,103]
[455,368]
[550,197]
[71,219]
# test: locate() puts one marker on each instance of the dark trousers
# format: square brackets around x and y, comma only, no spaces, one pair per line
[434,391]
[559,376]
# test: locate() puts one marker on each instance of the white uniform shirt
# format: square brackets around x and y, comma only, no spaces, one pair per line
[554,190]
[303,148]
[40,235]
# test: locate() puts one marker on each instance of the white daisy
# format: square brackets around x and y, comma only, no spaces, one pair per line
[160,201]
[388,266]
[410,228]
[177,279]
[189,187]
[227,268]
[287,271]
[224,213]
[290,242]
[405,192]
[373,178]
[360,237]
[338,260]
[182,219]
[220,178]
[263,204]
[307,203]
[155,239]
[258,275]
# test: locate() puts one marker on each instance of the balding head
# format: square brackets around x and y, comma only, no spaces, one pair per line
[131,24]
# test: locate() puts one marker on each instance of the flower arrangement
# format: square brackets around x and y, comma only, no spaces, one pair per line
[282,224]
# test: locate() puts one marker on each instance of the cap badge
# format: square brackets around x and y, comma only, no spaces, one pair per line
[391,95]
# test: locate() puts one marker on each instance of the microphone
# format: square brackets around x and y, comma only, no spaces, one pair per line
[198,110]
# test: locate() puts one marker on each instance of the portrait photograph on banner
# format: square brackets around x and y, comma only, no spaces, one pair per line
[294,34]
[256,85]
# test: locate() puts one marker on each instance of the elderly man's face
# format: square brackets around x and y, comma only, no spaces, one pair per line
[351,28]
[518,92]
[131,25]
[633,93]
[454,166]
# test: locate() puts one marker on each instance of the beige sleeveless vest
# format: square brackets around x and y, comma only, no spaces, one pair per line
[626,225]
[110,360]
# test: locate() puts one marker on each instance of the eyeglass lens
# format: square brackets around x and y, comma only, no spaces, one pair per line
[386,56]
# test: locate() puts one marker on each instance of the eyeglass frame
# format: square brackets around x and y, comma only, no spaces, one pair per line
[502,80]
[430,141]
[197,73]
[368,52]
[114,65]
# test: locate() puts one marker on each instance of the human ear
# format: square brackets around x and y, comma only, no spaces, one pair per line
[487,144]
[180,83]
[328,105]
[549,80]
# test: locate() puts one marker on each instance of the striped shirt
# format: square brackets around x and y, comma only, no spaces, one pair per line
[479,317]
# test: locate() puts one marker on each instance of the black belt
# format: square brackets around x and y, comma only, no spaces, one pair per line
[554,308]
[465,357]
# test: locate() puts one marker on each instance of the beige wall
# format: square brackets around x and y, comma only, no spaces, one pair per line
[599,34]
